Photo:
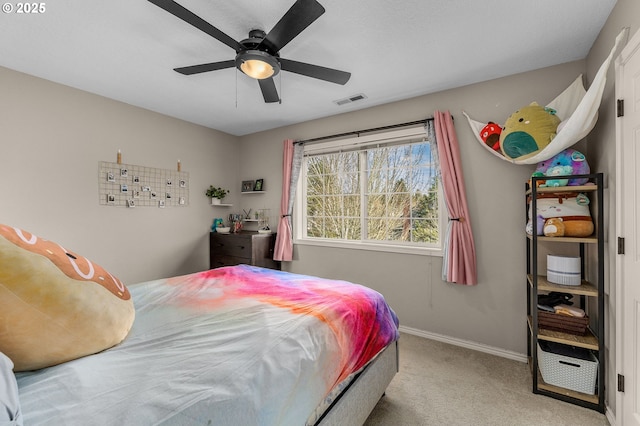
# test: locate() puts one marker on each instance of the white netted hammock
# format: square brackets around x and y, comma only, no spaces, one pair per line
[576,107]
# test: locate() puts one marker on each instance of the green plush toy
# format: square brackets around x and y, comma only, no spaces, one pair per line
[527,131]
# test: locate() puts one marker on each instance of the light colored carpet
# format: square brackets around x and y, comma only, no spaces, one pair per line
[442,384]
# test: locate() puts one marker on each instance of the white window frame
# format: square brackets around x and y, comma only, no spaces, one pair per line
[405,134]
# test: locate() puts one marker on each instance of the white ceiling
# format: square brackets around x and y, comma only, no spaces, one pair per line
[127,49]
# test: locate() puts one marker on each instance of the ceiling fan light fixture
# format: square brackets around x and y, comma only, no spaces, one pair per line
[257,69]
[258,56]
[257,64]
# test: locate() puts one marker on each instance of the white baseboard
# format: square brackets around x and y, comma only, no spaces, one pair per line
[465,344]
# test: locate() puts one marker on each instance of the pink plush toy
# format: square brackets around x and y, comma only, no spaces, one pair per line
[563,160]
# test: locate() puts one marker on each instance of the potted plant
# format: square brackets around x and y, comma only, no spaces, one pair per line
[216,194]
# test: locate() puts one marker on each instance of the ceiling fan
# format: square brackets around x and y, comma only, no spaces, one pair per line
[258,56]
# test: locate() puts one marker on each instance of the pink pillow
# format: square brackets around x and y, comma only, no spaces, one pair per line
[56,305]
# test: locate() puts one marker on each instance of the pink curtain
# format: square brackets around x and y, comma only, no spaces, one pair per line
[459,262]
[284,239]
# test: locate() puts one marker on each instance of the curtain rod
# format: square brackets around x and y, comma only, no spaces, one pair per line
[358,132]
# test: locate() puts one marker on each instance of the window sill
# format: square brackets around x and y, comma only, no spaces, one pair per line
[389,248]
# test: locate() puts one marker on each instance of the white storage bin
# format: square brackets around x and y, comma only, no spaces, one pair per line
[563,270]
[568,367]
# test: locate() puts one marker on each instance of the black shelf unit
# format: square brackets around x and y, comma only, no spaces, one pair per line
[591,293]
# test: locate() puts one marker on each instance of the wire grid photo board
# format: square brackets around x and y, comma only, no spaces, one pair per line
[128,185]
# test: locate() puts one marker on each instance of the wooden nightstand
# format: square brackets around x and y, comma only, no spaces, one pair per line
[250,248]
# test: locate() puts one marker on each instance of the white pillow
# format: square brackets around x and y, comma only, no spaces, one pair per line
[10,414]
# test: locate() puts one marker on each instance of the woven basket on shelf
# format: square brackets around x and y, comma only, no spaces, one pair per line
[564,323]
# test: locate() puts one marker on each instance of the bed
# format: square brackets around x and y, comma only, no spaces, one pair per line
[237,345]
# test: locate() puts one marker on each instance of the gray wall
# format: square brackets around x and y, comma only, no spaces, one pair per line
[493,312]
[53,137]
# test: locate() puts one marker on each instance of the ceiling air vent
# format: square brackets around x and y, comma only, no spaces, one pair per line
[354,98]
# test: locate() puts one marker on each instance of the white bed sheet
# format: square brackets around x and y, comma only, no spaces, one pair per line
[247,363]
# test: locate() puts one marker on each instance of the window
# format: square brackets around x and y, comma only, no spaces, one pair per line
[382,191]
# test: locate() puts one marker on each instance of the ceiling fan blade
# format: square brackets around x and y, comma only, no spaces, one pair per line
[298,17]
[189,17]
[315,71]
[212,66]
[269,92]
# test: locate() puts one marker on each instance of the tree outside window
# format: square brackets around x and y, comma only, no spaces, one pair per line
[386,194]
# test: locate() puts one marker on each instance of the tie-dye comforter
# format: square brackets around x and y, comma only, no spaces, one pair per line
[237,345]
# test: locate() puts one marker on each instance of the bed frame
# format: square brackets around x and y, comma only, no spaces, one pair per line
[355,403]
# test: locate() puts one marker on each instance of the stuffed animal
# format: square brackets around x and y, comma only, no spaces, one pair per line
[490,134]
[56,305]
[568,157]
[554,227]
[539,226]
[571,207]
[527,131]
[539,182]
[557,171]
[574,226]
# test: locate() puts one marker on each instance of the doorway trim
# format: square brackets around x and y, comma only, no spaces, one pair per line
[631,48]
